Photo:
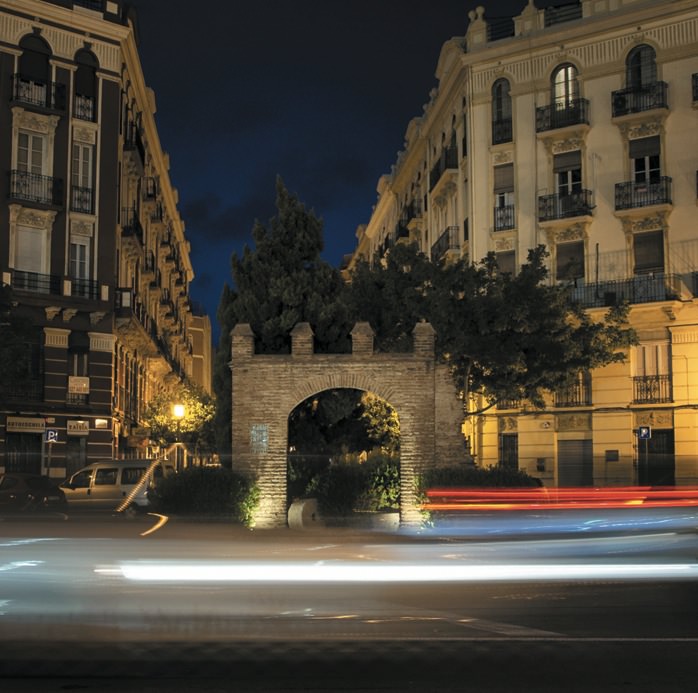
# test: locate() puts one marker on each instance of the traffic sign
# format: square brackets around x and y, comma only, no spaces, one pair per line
[644,432]
[51,435]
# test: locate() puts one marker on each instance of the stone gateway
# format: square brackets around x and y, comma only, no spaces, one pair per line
[267,388]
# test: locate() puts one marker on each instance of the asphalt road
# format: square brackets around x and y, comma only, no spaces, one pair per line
[121,603]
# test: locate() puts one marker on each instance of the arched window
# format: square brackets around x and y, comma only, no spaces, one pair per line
[641,67]
[565,87]
[34,61]
[85,85]
[501,112]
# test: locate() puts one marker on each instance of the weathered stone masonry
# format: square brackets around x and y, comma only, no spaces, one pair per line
[266,389]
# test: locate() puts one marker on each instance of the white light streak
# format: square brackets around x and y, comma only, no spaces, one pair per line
[398,573]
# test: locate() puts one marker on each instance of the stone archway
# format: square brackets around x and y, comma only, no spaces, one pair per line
[266,388]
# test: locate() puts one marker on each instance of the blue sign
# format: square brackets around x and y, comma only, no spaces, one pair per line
[51,435]
[644,432]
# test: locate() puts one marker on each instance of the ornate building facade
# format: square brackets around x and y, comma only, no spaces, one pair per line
[91,240]
[574,127]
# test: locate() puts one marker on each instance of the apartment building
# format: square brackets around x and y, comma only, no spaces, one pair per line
[574,127]
[91,240]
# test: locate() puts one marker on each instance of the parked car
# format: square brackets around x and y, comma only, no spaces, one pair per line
[110,483]
[29,492]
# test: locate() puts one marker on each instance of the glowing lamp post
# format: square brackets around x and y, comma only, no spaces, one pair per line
[178,412]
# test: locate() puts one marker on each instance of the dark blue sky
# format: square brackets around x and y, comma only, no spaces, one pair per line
[319,92]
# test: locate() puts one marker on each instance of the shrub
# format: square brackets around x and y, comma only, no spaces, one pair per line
[352,484]
[468,476]
[208,491]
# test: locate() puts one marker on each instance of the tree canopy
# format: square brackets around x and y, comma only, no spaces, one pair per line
[504,336]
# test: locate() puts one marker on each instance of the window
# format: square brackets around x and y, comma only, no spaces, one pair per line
[501,112]
[506,262]
[504,197]
[509,450]
[644,154]
[106,477]
[85,85]
[570,261]
[652,359]
[567,168]
[641,67]
[81,191]
[565,87]
[79,258]
[648,249]
[30,153]
[30,249]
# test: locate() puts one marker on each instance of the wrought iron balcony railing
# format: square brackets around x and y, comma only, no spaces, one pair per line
[630,194]
[644,288]
[81,200]
[41,93]
[561,114]
[133,141]
[556,206]
[85,288]
[567,12]
[447,241]
[638,99]
[33,187]
[84,108]
[502,130]
[577,394]
[448,159]
[650,389]
[131,224]
[504,218]
[34,281]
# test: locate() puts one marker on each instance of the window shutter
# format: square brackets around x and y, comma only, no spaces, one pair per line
[567,161]
[504,178]
[646,146]
[649,252]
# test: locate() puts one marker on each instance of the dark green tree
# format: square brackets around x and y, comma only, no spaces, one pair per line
[280,282]
[504,336]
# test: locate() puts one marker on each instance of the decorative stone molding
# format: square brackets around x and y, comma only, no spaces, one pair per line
[56,337]
[52,311]
[69,314]
[507,423]
[659,418]
[80,227]
[84,133]
[503,244]
[503,157]
[647,128]
[574,232]
[569,142]
[35,218]
[96,317]
[652,221]
[37,122]
[573,422]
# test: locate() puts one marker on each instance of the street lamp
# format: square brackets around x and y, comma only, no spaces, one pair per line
[178,412]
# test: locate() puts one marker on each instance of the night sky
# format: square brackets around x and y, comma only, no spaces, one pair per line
[319,92]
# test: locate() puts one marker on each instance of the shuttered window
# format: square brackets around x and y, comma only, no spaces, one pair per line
[649,252]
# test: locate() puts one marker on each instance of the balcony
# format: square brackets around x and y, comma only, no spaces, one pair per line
[400,234]
[134,149]
[447,161]
[31,390]
[502,131]
[84,108]
[131,229]
[42,94]
[84,288]
[81,200]
[504,218]
[33,187]
[38,283]
[149,266]
[557,206]
[134,324]
[577,394]
[447,244]
[639,99]
[645,288]
[651,389]
[630,195]
[567,12]
[499,28]
[562,114]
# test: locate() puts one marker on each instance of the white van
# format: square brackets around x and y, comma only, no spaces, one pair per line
[114,483]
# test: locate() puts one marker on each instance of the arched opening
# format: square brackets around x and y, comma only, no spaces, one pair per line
[641,67]
[344,454]
[85,95]
[565,87]
[501,112]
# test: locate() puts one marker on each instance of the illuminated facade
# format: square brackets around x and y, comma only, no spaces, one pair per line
[91,241]
[573,127]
